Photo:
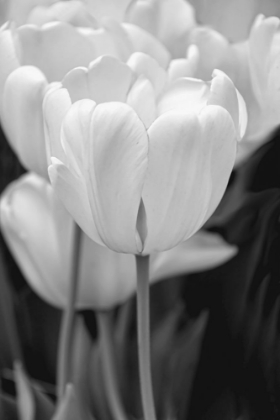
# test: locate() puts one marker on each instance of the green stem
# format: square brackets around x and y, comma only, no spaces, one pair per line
[67,324]
[106,342]
[143,328]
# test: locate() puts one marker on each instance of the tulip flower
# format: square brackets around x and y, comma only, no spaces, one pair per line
[33,58]
[141,171]
[39,232]
[252,65]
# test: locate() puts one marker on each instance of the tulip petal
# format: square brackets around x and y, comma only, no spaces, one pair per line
[76,82]
[23,118]
[213,50]
[203,251]
[122,42]
[260,43]
[184,67]
[55,48]
[117,166]
[107,278]
[27,224]
[9,58]
[141,98]
[108,80]
[55,106]
[101,8]
[144,42]
[185,95]
[72,191]
[74,12]
[177,187]
[223,93]
[75,133]
[142,64]
[219,129]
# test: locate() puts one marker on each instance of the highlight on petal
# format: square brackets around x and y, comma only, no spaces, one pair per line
[177,186]
[117,164]
[144,42]
[184,94]
[22,117]
[75,134]
[72,191]
[109,80]
[55,106]
[55,48]
[203,251]
[29,230]
[141,98]
[142,64]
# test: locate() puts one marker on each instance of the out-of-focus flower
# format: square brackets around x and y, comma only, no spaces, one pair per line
[253,65]
[168,20]
[141,169]
[32,58]
[233,18]
[39,232]
[18,10]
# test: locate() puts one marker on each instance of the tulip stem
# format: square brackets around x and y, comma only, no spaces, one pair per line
[143,329]
[105,335]
[64,373]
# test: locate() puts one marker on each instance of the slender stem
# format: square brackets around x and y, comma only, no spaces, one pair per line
[143,328]
[105,335]
[67,323]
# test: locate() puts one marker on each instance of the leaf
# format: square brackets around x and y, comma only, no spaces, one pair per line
[68,408]
[8,408]
[32,404]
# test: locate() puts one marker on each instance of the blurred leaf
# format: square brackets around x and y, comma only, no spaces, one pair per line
[8,408]
[9,343]
[69,408]
[32,404]
[184,357]
[81,360]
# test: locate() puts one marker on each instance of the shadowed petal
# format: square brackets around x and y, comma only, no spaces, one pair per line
[55,106]
[142,64]
[108,80]
[72,192]
[141,98]
[144,42]
[29,229]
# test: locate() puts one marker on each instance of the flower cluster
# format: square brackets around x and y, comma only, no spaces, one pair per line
[130,117]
